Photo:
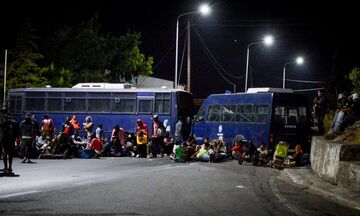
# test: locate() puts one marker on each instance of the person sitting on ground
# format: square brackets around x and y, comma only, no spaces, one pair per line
[178,154]
[261,155]
[296,157]
[262,150]
[202,154]
[353,112]
[94,149]
[77,144]
[237,150]
[335,126]
[43,143]
[168,144]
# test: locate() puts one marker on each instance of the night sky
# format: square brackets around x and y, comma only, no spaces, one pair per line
[326,34]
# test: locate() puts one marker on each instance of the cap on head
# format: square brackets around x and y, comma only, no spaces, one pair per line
[138,121]
[155,117]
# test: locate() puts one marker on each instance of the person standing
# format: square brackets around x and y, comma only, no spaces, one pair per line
[142,134]
[2,121]
[47,126]
[157,137]
[75,123]
[88,127]
[26,134]
[11,132]
[320,110]
[100,132]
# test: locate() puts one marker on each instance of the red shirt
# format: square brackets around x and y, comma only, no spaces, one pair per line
[96,144]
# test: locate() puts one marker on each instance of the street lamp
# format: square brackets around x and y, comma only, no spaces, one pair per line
[268,41]
[204,9]
[299,60]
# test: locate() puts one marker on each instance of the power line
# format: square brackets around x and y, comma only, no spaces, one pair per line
[213,58]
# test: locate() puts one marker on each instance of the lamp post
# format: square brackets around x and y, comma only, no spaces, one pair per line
[204,9]
[268,41]
[298,61]
[4,98]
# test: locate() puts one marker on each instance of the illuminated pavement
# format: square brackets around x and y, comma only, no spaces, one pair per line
[132,186]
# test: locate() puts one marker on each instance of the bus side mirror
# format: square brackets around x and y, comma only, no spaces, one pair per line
[198,119]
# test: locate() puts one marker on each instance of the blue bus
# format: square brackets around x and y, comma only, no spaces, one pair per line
[109,104]
[260,115]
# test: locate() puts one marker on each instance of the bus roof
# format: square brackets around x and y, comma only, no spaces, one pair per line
[268,89]
[91,89]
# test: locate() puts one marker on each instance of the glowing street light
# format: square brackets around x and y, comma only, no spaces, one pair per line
[204,9]
[268,41]
[299,61]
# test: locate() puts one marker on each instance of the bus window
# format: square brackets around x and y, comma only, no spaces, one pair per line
[214,113]
[54,102]
[243,113]
[228,113]
[124,102]
[98,101]
[260,113]
[35,101]
[15,104]
[162,103]
[145,106]
[75,102]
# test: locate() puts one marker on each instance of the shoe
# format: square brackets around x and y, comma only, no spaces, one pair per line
[24,160]
[137,156]
[29,161]
[8,172]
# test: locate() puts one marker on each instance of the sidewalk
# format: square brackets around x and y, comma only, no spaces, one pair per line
[306,177]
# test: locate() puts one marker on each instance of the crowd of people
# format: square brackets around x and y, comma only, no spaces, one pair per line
[346,114]
[30,139]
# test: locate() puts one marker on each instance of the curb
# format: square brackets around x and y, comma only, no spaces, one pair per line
[305,182]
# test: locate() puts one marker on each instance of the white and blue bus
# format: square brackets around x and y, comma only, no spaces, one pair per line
[260,115]
[109,104]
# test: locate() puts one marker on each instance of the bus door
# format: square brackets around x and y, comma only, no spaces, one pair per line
[290,123]
[145,109]
[199,125]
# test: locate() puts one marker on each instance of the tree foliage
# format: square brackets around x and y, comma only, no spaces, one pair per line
[93,57]
[24,67]
[74,54]
[354,76]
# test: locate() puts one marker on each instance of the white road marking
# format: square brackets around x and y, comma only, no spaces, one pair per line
[18,194]
[240,186]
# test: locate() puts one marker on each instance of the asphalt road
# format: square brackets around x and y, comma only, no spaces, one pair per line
[134,186]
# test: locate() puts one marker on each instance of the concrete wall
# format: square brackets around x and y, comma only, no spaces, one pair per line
[338,163]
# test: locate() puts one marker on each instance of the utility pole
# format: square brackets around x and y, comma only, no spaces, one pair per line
[188,58]
[4,98]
